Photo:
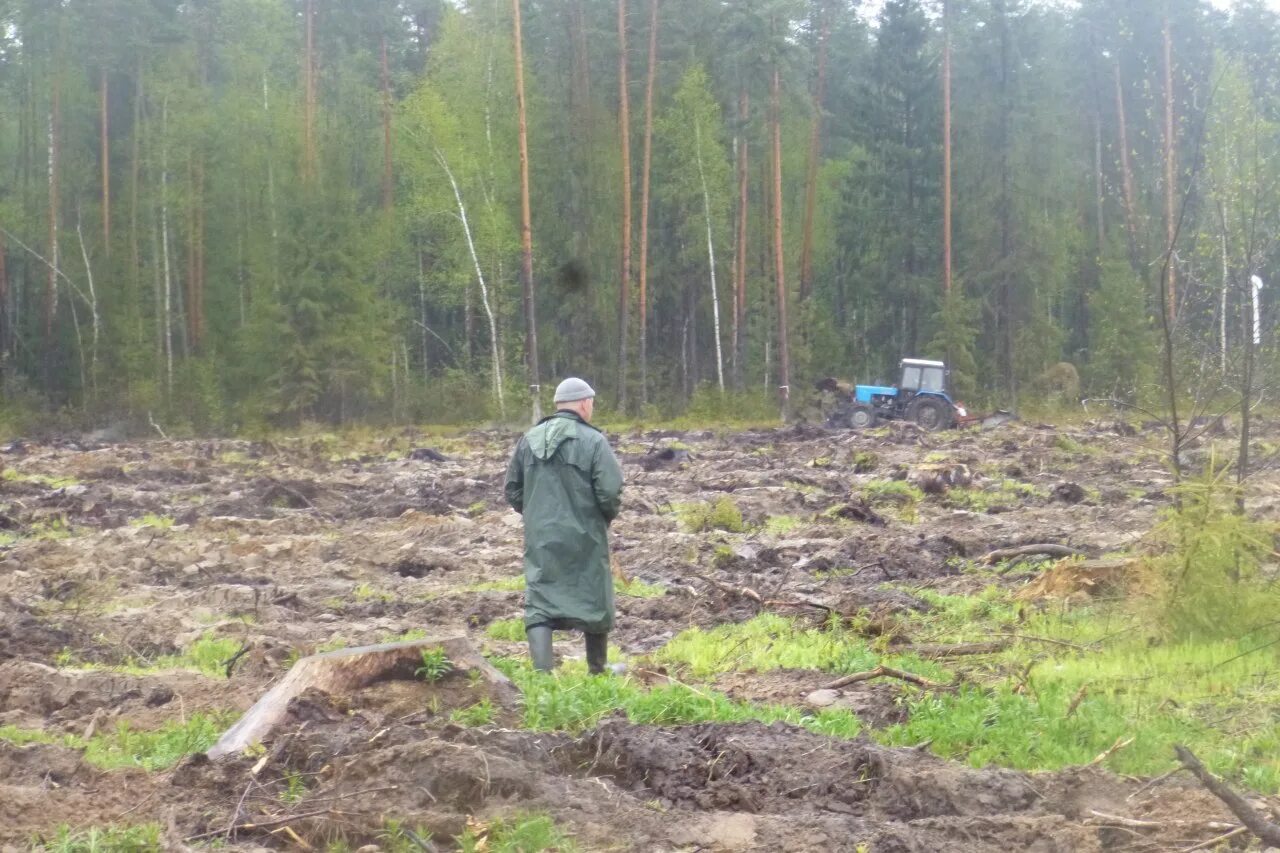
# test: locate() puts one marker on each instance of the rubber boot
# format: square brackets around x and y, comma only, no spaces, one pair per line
[597,653]
[540,647]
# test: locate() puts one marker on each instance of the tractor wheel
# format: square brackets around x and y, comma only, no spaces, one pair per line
[862,417]
[930,414]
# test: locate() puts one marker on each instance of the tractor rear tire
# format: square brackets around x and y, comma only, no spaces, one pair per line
[931,414]
[862,417]
[840,418]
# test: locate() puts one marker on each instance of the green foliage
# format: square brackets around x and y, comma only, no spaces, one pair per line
[639,589]
[511,630]
[520,833]
[1004,494]
[572,700]
[781,525]
[435,665]
[770,642]
[720,514]
[515,584]
[295,788]
[1208,583]
[208,654]
[865,461]
[397,837]
[139,838]
[1122,355]
[124,746]
[899,493]
[160,522]
[957,324]
[479,714]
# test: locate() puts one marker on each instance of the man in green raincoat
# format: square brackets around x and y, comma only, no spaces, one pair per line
[566,482]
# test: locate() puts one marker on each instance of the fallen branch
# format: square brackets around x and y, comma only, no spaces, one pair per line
[1249,816]
[1137,823]
[265,824]
[955,650]
[1039,550]
[1216,840]
[1121,743]
[882,672]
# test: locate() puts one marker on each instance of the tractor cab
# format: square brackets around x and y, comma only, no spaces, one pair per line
[919,375]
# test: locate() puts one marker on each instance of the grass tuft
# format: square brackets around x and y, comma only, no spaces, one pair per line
[140,838]
[521,833]
[721,514]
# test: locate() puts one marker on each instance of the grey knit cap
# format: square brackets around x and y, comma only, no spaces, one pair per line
[573,389]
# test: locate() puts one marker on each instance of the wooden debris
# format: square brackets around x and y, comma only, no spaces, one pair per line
[347,670]
[1249,816]
[1121,743]
[936,479]
[1046,549]
[1077,578]
[882,672]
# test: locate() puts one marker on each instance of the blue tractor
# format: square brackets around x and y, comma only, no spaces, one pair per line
[921,397]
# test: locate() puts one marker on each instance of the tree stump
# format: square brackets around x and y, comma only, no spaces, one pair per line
[347,670]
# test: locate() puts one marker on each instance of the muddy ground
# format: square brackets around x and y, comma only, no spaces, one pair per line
[121,553]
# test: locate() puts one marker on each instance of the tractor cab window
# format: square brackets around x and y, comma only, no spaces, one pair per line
[910,377]
[934,379]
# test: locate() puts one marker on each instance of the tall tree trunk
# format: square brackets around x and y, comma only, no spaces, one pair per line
[164,243]
[135,168]
[815,151]
[740,268]
[93,308]
[711,257]
[624,134]
[193,277]
[4,317]
[779,266]
[271,189]
[388,186]
[1100,224]
[1006,210]
[106,166]
[309,95]
[1222,292]
[1171,279]
[484,289]
[526,225]
[644,201]
[946,147]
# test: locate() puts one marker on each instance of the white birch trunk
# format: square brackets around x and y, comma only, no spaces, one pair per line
[711,257]
[93,304]
[1222,308]
[484,289]
[271,194]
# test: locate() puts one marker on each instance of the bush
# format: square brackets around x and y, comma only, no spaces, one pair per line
[1207,585]
[721,514]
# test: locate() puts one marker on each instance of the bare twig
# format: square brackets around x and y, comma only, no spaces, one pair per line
[1121,743]
[883,672]
[1249,816]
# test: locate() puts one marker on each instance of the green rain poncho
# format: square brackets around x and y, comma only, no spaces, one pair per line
[566,482]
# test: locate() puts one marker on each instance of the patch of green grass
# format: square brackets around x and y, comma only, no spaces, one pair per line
[721,514]
[864,462]
[160,522]
[124,746]
[479,714]
[571,700]
[39,479]
[209,655]
[521,833]
[770,642]
[367,592]
[139,838]
[511,630]
[295,788]
[515,584]
[960,618]
[639,589]
[897,492]
[781,525]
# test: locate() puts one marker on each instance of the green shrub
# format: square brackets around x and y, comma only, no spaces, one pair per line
[522,833]
[511,630]
[435,665]
[721,514]
[140,838]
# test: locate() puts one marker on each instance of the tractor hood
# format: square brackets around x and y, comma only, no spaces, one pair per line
[864,393]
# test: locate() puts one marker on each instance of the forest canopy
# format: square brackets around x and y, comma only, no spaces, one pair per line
[223,214]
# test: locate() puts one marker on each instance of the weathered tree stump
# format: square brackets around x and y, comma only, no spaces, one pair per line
[347,670]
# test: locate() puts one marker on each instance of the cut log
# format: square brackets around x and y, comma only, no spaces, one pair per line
[955,650]
[347,670]
[1040,550]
